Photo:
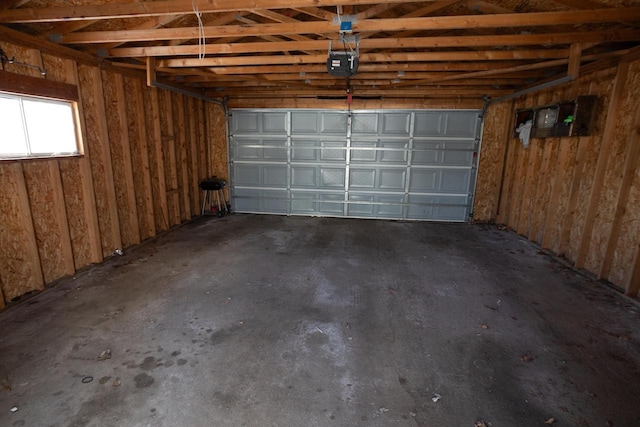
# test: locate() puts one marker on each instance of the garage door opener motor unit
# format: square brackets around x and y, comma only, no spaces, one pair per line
[343,63]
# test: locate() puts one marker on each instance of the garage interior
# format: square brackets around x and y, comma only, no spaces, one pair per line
[436,214]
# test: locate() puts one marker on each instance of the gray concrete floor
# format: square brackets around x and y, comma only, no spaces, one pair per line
[276,321]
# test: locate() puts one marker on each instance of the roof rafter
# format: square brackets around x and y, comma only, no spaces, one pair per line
[395,43]
[290,26]
[167,7]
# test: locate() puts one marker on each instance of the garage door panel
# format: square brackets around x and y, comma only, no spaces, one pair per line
[333,123]
[360,178]
[246,122]
[365,124]
[461,124]
[247,175]
[331,204]
[332,177]
[396,123]
[304,123]
[305,176]
[442,208]
[424,180]
[454,181]
[409,164]
[429,123]
[458,153]
[274,176]
[364,151]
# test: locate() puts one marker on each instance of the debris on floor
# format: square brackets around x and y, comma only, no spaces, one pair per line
[527,358]
[106,354]
[117,382]
[551,421]
[480,423]
[484,326]
[383,410]
[436,397]
[14,409]
[87,380]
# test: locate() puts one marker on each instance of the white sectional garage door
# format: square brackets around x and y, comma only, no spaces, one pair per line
[401,164]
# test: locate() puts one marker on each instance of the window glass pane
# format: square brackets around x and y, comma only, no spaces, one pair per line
[12,138]
[50,126]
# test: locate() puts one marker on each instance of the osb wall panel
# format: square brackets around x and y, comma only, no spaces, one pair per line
[20,261]
[77,183]
[217,131]
[139,156]
[114,98]
[46,200]
[90,85]
[547,188]
[491,160]
[182,163]
[156,162]
[60,215]
[613,176]
[601,84]
[169,156]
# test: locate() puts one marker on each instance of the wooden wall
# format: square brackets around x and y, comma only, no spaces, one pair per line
[145,151]
[578,197]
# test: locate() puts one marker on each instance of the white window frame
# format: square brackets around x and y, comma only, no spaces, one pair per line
[29,154]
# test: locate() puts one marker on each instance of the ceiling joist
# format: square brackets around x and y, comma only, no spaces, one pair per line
[292,27]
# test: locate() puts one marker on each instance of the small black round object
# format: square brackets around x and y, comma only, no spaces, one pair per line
[87,380]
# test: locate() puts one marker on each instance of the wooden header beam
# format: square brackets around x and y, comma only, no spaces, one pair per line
[386,43]
[166,7]
[368,58]
[377,25]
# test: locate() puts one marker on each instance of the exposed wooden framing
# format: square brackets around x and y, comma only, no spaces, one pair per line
[576,178]
[102,171]
[340,104]
[151,71]
[575,52]
[551,220]
[27,85]
[156,161]
[603,157]
[20,261]
[364,68]
[169,151]
[484,7]
[316,12]
[527,67]
[82,215]
[218,20]
[491,55]
[631,162]
[192,152]
[408,92]
[168,7]
[381,43]
[140,157]
[582,4]
[49,218]
[181,155]
[289,26]
[542,190]
[632,286]
[113,88]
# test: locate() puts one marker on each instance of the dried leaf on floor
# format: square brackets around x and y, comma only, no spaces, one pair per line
[551,421]
[480,423]
[106,354]
[484,326]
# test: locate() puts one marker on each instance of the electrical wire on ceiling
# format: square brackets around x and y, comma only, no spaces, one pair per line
[201,38]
